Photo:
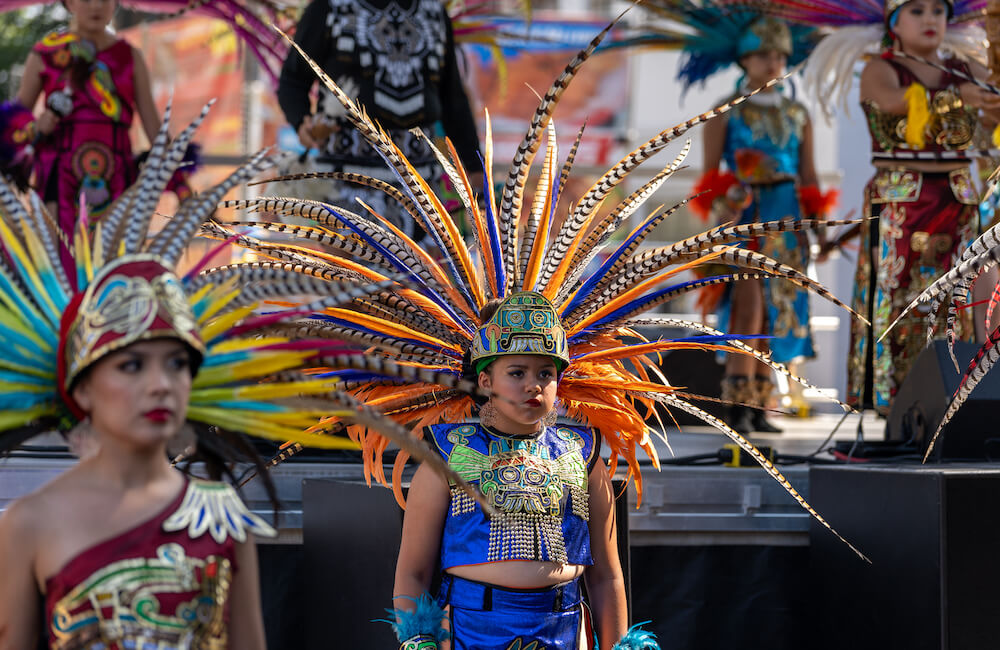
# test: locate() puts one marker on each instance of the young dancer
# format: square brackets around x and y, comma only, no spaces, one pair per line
[766,144]
[124,550]
[922,116]
[530,321]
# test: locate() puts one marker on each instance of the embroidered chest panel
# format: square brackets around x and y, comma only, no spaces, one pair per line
[162,585]
[533,483]
[778,126]
[119,606]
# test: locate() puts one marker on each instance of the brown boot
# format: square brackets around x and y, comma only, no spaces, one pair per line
[737,390]
[763,388]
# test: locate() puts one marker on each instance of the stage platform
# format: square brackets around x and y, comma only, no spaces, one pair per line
[801,436]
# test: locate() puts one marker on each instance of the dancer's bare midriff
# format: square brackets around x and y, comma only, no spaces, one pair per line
[519,574]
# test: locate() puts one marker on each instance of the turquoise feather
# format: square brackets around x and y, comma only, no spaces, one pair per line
[637,639]
[425,618]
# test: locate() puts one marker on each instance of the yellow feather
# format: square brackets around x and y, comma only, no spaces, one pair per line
[10,419]
[16,250]
[224,322]
[260,365]
[282,430]
[11,319]
[249,343]
[265,392]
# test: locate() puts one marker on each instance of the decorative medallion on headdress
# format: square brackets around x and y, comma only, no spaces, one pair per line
[524,323]
[133,299]
[765,34]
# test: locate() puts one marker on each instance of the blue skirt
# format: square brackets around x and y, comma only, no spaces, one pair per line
[487,617]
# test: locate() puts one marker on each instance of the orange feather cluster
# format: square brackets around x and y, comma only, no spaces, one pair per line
[712,185]
[816,203]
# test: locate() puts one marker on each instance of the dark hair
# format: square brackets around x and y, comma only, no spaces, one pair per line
[218,450]
[468,368]
[489,309]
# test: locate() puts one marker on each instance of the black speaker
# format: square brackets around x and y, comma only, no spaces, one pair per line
[923,399]
[934,577]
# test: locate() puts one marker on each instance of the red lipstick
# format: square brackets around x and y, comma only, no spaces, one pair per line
[158,415]
[534,403]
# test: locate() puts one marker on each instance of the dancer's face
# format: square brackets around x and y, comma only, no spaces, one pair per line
[761,67]
[920,25]
[91,16]
[138,396]
[525,388]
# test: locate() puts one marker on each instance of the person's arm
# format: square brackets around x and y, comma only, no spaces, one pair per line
[30,89]
[880,84]
[807,157]
[297,78]
[246,622]
[718,195]
[605,583]
[714,143]
[144,104]
[19,599]
[986,102]
[423,523]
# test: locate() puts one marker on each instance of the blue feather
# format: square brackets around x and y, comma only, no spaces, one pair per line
[424,619]
[23,378]
[38,296]
[494,234]
[21,400]
[459,281]
[27,310]
[358,328]
[17,340]
[222,359]
[584,292]
[398,264]
[246,405]
[352,375]
[636,306]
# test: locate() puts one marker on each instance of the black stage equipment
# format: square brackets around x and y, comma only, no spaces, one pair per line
[923,398]
[931,535]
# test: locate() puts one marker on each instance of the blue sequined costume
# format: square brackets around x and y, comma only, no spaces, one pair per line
[539,487]
[762,150]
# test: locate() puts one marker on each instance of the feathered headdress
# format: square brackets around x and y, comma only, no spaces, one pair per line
[718,34]
[120,287]
[419,338]
[56,320]
[860,29]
